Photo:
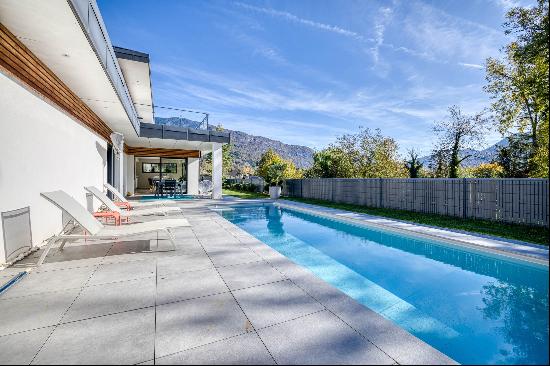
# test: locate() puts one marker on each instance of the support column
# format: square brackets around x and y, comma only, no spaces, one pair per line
[192,175]
[130,179]
[217,170]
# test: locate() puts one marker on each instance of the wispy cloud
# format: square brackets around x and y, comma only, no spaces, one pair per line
[471,66]
[307,22]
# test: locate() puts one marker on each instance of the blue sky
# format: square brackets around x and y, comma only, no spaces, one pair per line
[304,72]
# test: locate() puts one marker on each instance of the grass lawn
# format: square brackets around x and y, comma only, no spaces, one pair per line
[244,195]
[533,234]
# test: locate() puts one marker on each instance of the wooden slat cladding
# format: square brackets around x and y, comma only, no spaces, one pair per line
[168,153]
[18,60]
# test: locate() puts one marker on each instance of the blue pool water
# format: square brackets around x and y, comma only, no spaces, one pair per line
[474,307]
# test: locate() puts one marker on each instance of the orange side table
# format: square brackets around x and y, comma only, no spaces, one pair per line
[107,215]
[125,205]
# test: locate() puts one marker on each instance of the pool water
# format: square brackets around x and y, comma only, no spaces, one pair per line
[474,307]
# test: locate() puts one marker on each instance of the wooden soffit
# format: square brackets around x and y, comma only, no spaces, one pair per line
[165,153]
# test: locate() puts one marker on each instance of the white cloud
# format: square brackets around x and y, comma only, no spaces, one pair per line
[307,22]
[472,66]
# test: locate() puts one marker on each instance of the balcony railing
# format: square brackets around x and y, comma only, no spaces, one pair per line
[91,21]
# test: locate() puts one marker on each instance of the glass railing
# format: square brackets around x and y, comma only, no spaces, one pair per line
[91,21]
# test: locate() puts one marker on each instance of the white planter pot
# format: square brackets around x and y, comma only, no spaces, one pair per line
[274,192]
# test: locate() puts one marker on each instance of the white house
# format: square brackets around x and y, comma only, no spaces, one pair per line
[64,91]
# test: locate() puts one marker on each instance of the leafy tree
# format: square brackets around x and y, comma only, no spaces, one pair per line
[331,162]
[518,84]
[284,169]
[487,170]
[413,165]
[439,165]
[514,158]
[458,132]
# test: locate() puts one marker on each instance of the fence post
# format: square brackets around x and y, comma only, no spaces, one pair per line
[464,199]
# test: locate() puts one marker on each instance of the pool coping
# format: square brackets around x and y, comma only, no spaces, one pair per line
[514,249]
[401,345]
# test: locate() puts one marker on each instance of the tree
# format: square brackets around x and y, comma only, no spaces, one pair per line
[439,164]
[331,162]
[518,84]
[458,132]
[487,170]
[413,165]
[514,158]
[284,169]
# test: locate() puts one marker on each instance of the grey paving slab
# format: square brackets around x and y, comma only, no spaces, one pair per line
[275,303]
[77,251]
[187,285]
[35,311]
[115,272]
[320,338]
[20,348]
[125,338]
[39,282]
[232,255]
[187,324]
[249,274]
[183,263]
[246,349]
[112,298]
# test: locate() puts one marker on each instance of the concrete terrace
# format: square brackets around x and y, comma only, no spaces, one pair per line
[221,297]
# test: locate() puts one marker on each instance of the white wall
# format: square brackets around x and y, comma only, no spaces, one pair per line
[43,149]
[193,175]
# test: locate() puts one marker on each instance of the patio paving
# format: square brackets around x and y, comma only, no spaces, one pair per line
[222,297]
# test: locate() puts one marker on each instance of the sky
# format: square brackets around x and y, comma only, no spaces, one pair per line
[304,72]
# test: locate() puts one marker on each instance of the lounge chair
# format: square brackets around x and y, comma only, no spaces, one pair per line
[124,214]
[94,230]
[137,204]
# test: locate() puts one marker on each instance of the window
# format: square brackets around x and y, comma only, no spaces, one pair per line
[155,167]
[150,167]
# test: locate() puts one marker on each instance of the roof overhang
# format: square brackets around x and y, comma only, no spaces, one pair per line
[70,38]
[137,73]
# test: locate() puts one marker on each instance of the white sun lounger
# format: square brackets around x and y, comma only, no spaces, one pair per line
[119,196]
[95,230]
[111,206]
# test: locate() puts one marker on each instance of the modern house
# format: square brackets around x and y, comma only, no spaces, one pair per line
[67,98]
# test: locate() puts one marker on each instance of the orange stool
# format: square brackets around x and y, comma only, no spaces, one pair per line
[107,215]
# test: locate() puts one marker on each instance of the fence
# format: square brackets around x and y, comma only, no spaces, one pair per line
[522,201]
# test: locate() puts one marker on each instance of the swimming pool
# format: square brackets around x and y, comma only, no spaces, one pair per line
[474,307]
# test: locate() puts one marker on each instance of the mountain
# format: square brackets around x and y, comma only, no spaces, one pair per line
[477,156]
[247,149]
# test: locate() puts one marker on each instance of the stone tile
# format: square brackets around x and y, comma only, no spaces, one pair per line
[123,271]
[125,338]
[196,322]
[275,303]
[246,349]
[183,263]
[232,255]
[35,311]
[112,298]
[78,251]
[249,274]
[187,285]
[37,282]
[320,338]
[20,348]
